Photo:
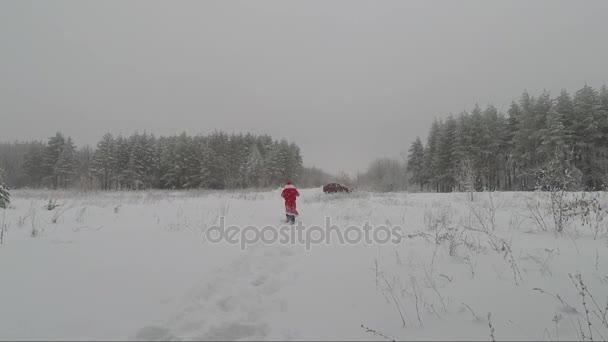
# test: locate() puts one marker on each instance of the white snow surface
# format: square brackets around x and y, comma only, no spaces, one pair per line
[136,266]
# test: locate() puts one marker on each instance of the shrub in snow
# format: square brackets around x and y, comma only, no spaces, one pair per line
[51,205]
[557,177]
[35,226]
[438,219]
[466,179]
[590,210]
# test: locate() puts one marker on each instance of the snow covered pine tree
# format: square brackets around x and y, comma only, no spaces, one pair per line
[4,201]
[289,194]
[4,194]
[4,197]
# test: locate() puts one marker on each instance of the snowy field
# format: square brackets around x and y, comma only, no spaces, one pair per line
[137,265]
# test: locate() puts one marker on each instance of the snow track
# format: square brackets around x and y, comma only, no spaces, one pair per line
[232,301]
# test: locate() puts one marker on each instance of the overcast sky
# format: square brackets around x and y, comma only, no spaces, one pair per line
[348,81]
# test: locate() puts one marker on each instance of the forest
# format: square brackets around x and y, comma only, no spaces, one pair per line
[143,161]
[540,138]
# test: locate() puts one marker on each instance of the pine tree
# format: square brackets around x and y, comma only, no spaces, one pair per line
[85,160]
[281,164]
[564,106]
[214,164]
[5,199]
[187,162]
[514,162]
[294,163]
[122,177]
[553,138]
[273,165]
[2,175]
[587,135]
[103,164]
[236,156]
[254,167]
[5,195]
[525,142]
[503,134]
[135,169]
[603,114]
[415,162]
[430,155]
[67,164]
[495,147]
[446,160]
[51,155]
[32,166]
[168,167]
[478,145]
[150,160]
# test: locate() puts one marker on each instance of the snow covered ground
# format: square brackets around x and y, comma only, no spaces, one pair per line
[137,265]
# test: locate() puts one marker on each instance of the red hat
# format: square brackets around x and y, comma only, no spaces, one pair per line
[289,183]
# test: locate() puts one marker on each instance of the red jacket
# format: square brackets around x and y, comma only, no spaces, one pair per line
[289,194]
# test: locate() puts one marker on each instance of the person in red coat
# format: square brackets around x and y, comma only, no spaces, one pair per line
[290,193]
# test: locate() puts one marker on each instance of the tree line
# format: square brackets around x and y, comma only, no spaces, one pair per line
[142,161]
[486,149]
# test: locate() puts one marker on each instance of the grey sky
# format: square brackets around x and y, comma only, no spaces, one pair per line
[348,81]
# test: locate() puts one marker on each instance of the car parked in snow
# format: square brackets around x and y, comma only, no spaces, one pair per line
[335,187]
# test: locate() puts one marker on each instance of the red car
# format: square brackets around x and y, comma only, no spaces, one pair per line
[335,187]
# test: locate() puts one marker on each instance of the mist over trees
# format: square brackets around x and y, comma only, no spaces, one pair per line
[143,161]
[486,149]
[383,175]
[313,177]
